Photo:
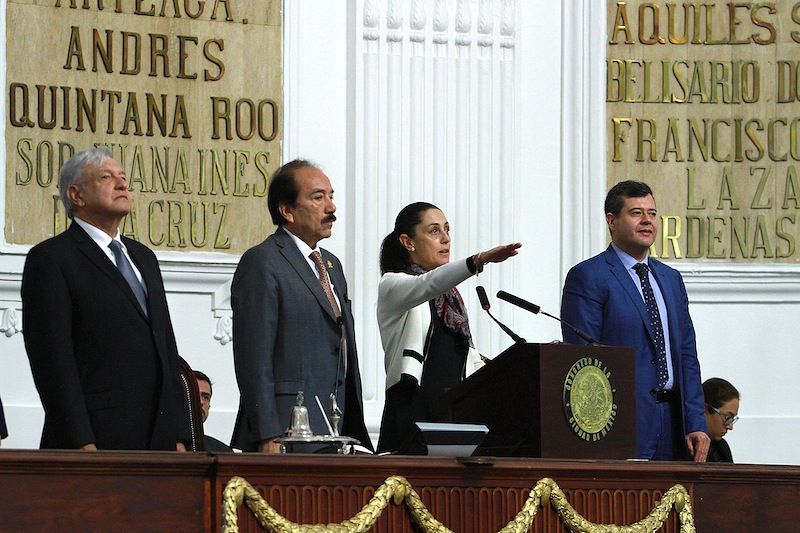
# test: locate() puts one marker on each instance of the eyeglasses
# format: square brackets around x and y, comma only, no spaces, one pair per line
[726,419]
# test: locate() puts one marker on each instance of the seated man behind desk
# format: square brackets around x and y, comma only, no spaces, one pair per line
[722,412]
[206,391]
[97,328]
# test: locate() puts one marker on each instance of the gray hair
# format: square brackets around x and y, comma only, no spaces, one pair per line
[72,172]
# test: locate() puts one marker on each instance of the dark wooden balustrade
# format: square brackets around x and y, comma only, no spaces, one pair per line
[150,491]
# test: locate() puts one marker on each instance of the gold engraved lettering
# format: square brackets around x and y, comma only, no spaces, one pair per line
[175,217]
[726,191]
[791,189]
[183,55]
[795,35]
[222,241]
[621,24]
[691,202]
[671,237]
[240,160]
[24,146]
[220,45]
[152,223]
[129,225]
[766,172]
[715,238]
[219,173]
[785,236]
[761,23]
[761,240]
[261,166]
[195,226]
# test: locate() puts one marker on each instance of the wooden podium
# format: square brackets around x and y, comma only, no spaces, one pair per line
[527,398]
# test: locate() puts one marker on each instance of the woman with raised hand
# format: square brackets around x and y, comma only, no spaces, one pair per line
[423,322]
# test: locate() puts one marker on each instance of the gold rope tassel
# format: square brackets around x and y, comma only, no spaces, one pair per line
[395,488]
[398,490]
[547,492]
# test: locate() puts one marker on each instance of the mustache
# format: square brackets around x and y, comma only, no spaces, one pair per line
[329,218]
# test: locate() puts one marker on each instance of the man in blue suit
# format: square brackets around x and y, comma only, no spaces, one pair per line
[622,297]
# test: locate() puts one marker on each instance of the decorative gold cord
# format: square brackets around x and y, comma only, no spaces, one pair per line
[397,489]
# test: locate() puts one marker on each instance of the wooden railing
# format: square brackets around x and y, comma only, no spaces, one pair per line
[150,491]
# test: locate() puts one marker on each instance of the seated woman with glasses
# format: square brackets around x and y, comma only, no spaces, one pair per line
[722,412]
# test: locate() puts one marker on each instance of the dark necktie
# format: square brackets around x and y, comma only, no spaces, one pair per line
[655,323]
[127,272]
[325,281]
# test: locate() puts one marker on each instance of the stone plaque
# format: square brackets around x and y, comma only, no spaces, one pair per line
[703,103]
[187,93]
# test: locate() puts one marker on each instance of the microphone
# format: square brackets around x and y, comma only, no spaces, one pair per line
[486,306]
[536,310]
[519,302]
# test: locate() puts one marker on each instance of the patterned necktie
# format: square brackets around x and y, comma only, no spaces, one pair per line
[127,272]
[655,323]
[325,281]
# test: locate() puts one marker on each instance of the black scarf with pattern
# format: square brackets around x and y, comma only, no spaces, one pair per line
[449,307]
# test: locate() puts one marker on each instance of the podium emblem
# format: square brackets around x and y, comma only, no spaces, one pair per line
[589,399]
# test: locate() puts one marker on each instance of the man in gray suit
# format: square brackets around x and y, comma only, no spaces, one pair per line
[292,321]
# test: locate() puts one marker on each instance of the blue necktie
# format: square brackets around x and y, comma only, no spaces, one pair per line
[655,323]
[127,272]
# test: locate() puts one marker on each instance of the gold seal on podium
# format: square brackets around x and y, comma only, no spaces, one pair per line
[589,399]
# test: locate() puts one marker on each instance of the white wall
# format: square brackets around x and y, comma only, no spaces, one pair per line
[390,131]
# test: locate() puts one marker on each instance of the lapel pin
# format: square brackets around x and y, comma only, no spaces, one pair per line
[330,264]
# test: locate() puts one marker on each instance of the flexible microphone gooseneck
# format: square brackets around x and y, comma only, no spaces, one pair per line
[536,310]
[486,306]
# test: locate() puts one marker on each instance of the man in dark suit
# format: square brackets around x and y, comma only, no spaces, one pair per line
[206,390]
[622,297]
[292,321]
[97,328]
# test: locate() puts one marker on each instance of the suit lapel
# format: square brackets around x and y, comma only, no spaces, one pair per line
[336,275]
[667,292]
[93,252]
[622,276]
[300,265]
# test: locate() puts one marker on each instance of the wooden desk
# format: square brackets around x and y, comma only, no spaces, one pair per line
[154,491]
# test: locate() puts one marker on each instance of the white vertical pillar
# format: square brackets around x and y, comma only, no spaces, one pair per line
[462,95]
[441,38]
[507,200]
[395,175]
[419,182]
[484,125]
[370,195]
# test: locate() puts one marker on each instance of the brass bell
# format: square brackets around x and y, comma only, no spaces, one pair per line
[298,424]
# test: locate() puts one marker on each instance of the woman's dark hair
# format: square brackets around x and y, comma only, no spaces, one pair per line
[394,256]
[718,391]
